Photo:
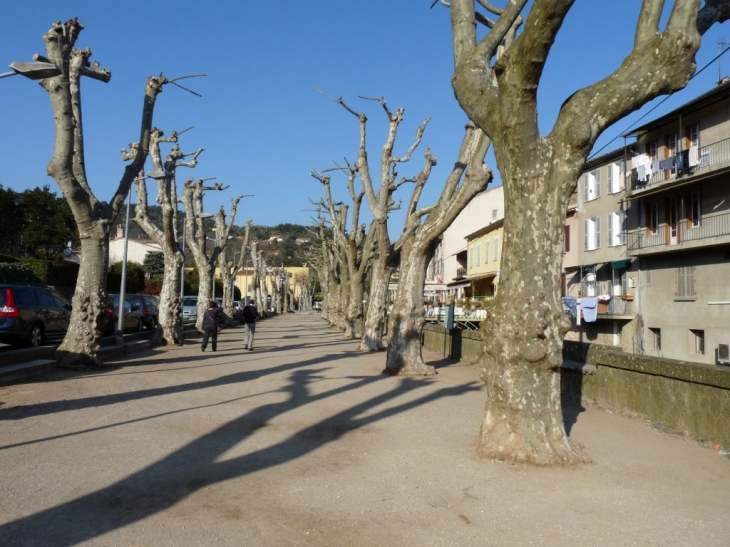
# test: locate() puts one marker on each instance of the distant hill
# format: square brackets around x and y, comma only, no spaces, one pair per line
[281,244]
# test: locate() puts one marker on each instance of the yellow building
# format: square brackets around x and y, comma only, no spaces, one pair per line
[297,276]
[484,252]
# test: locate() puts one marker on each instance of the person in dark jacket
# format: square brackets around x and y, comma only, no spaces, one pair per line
[212,321]
[250,314]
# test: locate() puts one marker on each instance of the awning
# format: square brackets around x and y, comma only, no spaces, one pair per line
[458,284]
[618,264]
[482,276]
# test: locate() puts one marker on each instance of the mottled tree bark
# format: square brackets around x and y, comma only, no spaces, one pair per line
[417,246]
[525,327]
[166,236]
[80,347]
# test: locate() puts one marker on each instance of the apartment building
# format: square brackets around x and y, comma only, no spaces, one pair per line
[483,259]
[678,193]
[597,271]
[447,272]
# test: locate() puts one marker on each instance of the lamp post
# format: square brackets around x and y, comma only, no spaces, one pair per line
[34,70]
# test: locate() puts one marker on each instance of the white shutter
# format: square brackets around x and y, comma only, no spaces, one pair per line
[586,226]
[598,183]
[610,228]
[598,233]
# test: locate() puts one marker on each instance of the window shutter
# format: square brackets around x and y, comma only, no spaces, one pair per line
[611,189]
[586,196]
[585,234]
[598,183]
[598,233]
[486,251]
[692,281]
[496,248]
[610,228]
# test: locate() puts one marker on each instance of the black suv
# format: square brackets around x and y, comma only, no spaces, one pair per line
[29,314]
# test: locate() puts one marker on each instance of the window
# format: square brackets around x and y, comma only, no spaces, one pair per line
[655,338]
[486,251]
[652,217]
[647,278]
[471,257]
[685,283]
[592,185]
[697,339]
[479,254]
[496,248]
[694,135]
[695,211]
[651,150]
[615,178]
[616,229]
[592,234]
[495,212]
[566,239]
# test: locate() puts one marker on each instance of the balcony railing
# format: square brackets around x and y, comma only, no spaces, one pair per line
[615,306]
[460,273]
[708,156]
[708,227]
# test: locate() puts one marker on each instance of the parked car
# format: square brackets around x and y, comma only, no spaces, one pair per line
[110,318]
[144,308]
[238,306]
[31,314]
[190,309]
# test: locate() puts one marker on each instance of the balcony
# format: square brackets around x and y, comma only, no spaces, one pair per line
[615,308]
[712,230]
[460,273]
[710,157]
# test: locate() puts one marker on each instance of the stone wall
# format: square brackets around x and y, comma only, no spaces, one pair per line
[686,397]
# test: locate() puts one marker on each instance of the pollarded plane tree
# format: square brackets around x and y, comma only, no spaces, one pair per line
[192,200]
[321,259]
[166,236]
[229,266]
[356,243]
[80,347]
[526,324]
[381,204]
[423,227]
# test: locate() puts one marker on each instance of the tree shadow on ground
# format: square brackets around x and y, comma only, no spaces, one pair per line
[166,482]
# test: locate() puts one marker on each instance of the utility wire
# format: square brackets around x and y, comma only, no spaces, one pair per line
[657,105]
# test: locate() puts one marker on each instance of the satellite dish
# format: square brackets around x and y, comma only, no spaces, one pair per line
[67,251]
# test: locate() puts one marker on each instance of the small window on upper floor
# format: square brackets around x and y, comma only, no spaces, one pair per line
[651,150]
[592,185]
[615,178]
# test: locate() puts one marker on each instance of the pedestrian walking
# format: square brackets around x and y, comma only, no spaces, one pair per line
[250,315]
[212,321]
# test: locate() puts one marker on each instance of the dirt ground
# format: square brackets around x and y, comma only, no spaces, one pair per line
[304,442]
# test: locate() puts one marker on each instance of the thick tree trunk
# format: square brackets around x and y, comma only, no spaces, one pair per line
[407,318]
[80,347]
[525,327]
[353,317]
[170,312]
[372,336]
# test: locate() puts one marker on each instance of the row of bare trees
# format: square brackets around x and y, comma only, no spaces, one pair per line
[499,57]
[94,218]
[353,255]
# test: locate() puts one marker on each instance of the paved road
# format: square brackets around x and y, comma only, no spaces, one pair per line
[305,442]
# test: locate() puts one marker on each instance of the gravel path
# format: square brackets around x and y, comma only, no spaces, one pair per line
[304,442]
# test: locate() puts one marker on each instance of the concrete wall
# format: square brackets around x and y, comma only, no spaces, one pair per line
[686,397]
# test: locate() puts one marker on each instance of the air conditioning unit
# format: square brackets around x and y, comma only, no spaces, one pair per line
[723,354]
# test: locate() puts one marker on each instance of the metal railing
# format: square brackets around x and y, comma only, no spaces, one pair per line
[460,272]
[708,227]
[708,156]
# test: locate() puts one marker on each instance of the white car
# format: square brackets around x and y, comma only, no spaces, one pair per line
[190,309]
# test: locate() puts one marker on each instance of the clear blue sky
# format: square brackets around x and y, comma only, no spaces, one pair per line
[261,122]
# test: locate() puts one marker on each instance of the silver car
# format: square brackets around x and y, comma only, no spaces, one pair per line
[190,309]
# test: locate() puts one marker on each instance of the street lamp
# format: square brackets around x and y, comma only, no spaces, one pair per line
[157,175]
[34,70]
